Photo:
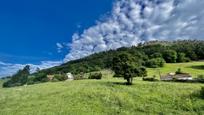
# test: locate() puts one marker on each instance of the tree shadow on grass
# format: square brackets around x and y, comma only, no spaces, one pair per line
[198,94]
[197,67]
[121,83]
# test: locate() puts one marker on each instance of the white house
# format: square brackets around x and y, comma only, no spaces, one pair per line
[172,76]
[70,76]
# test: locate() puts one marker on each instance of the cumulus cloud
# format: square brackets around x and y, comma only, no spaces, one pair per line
[131,22]
[134,21]
[8,69]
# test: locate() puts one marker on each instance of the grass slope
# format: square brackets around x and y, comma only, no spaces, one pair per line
[194,68]
[104,97]
[107,96]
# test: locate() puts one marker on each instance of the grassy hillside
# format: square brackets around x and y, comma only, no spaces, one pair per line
[103,97]
[1,82]
[194,68]
[107,96]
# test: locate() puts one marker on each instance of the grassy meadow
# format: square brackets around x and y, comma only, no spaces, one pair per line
[194,68]
[107,96]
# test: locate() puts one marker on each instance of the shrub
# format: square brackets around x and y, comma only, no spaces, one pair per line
[41,77]
[179,71]
[202,92]
[95,76]
[155,63]
[156,55]
[31,80]
[60,77]
[55,80]
[150,78]
[79,76]
[170,56]
[181,57]
[200,79]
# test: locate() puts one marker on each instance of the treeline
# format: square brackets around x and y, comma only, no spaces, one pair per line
[150,54]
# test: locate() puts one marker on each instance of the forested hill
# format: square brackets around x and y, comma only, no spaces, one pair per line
[147,54]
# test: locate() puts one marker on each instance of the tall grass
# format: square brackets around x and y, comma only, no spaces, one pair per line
[104,97]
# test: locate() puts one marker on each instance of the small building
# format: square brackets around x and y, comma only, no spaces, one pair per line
[183,76]
[50,77]
[70,76]
[174,76]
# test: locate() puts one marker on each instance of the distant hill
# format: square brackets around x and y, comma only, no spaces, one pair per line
[185,50]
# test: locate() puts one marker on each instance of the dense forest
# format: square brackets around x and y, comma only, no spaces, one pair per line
[150,54]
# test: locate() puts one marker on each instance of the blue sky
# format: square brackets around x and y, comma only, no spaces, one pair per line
[30,29]
[46,33]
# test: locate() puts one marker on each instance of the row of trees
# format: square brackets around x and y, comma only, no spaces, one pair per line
[19,79]
[23,77]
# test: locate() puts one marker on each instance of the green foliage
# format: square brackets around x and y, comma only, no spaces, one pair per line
[31,80]
[156,55]
[179,71]
[199,79]
[124,65]
[202,92]
[95,76]
[181,57]
[170,56]
[155,63]
[80,76]
[149,79]
[60,77]
[193,50]
[19,79]
[39,78]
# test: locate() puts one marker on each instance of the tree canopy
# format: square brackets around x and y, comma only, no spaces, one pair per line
[124,65]
[19,79]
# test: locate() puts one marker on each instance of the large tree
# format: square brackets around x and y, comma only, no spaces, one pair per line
[19,79]
[126,66]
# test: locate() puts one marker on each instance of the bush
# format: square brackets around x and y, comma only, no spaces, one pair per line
[60,77]
[170,56]
[155,63]
[31,80]
[156,55]
[179,71]
[79,76]
[150,79]
[181,57]
[202,92]
[95,76]
[41,77]
[199,79]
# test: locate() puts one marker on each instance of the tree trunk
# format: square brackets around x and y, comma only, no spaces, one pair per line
[129,81]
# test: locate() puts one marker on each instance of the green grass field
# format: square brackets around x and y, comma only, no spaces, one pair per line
[106,97]
[194,68]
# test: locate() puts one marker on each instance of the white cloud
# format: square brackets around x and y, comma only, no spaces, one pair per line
[7,69]
[131,22]
[134,21]
[59,47]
